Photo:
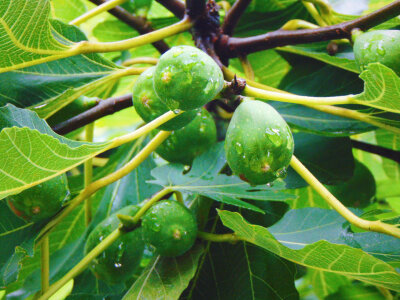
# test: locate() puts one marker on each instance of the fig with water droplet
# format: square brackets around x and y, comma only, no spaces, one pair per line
[41,201]
[149,106]
[184,144]
[170,227]
[259,144]
[187,78]
[381,46]
[120,260]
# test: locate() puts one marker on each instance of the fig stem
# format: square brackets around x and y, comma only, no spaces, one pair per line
[96,11]
[157,197]
[314,13]
[82,265]
[297,99]
[178,196]
[140,60]
[88,174]
[45,264]
[102,182]
[93,47]
[298,24]
[356,115]
[45,112]
[376,226]
[247,68]
[138,23]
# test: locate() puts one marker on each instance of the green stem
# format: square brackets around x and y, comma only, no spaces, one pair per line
[219,238]
[93,47]
[178,196]
[143,130]
[247,68]
[291,98]
[102,182]
[325,8]
[81,266]
[376,226]
[96,11]
[148,204]
[44,112]
[296,24]
[356,115]
[88,168]
[45,264]
[314,13]
[140,60]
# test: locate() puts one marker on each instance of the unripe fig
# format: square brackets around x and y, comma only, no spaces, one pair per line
[259,143]
[149,106]
[187,78]
[184,144]
[120,260]
[381,46]
[41,201]
[170,227]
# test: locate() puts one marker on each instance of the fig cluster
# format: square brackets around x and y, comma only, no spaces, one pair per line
[184,79]
[169,227]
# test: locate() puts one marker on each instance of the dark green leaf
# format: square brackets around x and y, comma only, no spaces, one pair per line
[166,278]
[243,271]
[204,180]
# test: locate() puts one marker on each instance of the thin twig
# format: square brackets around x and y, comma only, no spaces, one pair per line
[137,23]
[177,7]
[233,16]
[230,47]
[378,150]
[104,108]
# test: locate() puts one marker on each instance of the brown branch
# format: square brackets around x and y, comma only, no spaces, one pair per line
[104,108]
[230,47]
[233,16]
[195,8]
[138,23]
[177,7]
[378,150]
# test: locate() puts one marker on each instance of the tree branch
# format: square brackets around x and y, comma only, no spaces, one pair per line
[233,16]
[139,24]
[177,7]
[375,149]
[233,47]
[104,108]
[195,8]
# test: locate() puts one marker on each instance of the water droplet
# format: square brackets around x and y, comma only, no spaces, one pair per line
[177,111]
[239,148]
[117,265]
[281,173]
[156,227]
[177,52]
[381,50]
